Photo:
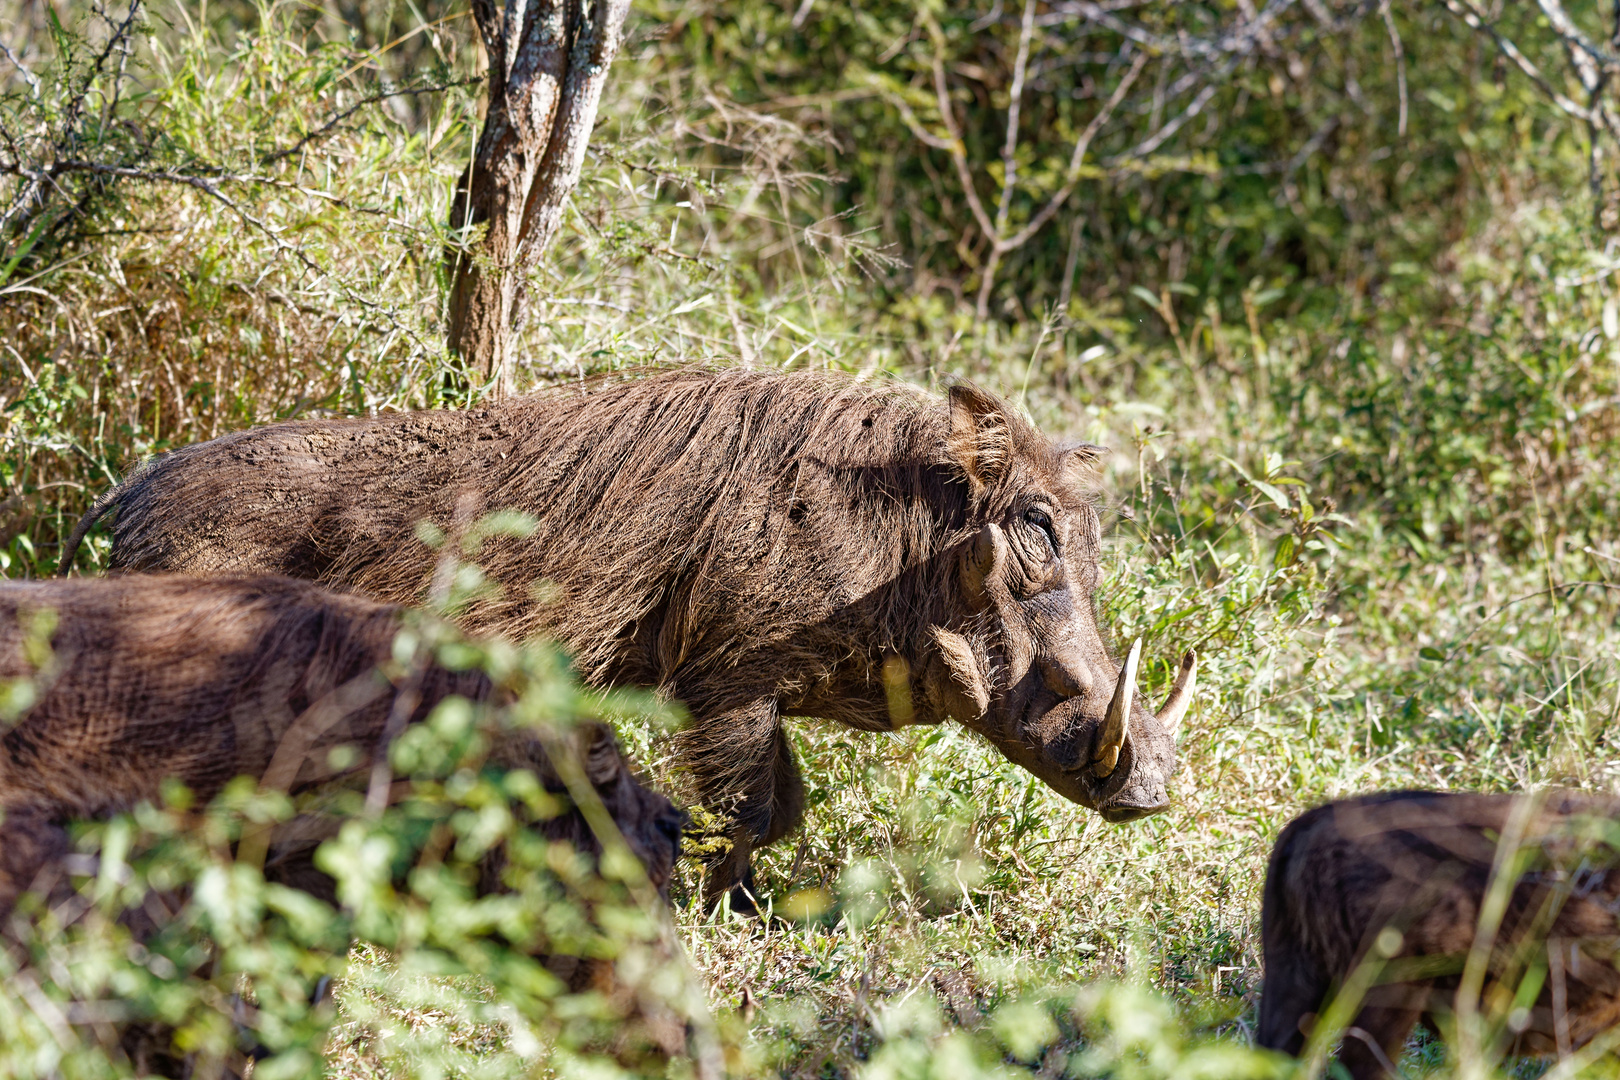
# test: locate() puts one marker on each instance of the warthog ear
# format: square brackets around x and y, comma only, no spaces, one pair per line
[965,695]
[1077,463]
[602,759]
[980,441]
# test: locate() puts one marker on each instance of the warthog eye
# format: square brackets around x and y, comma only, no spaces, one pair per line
[1043,521]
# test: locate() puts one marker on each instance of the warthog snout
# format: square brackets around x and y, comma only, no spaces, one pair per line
[1136,749]
[1107,753]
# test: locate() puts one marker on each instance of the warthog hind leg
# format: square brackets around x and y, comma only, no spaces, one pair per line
[1375,1042]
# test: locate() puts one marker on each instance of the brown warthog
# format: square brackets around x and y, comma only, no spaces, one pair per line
[1387,896]
[754,545]
[139,679]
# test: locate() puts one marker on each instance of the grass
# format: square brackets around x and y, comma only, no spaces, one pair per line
[1450,624]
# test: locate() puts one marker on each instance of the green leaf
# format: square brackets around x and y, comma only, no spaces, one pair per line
[1145,296]
[1287,550]
[1170,620]
[1274,494]
[1429,652]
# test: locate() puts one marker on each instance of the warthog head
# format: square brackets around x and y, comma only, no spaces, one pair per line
[1028,668]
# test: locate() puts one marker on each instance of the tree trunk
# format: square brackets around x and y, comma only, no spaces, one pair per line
[548,61]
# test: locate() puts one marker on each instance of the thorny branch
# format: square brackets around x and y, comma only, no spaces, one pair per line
[28,76]
[370,99]
[34,192]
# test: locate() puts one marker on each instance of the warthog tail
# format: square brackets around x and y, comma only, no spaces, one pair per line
[106,501]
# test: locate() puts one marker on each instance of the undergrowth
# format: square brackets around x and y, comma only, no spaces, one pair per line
[1382,515]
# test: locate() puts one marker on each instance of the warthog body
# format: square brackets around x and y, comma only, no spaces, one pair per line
[201,680]
[754,545]
[1398,881]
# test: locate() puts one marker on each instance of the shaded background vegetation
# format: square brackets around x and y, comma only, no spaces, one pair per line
[1351,329]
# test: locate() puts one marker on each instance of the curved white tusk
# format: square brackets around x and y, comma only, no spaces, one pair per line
[1117,724]
[1181,694]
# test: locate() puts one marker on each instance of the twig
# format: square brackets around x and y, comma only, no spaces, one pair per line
[923,135]
[1474,19]
[209,186]
[68,134]
[1562,25]
[28,76]
[995,231]
[584,302]
[372,99]
[1158,138]
[1242,40]
[1077,158]
[1009,150]
[1400,62]
[947,115]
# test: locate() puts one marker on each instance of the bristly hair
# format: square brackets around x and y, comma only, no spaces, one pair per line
[700,474]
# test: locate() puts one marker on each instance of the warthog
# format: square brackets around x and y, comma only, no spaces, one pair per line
[1388,894]
[150,678]
[754,545]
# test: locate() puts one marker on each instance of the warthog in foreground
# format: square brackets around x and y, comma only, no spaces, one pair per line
[1398,882]
[754,545]
[202,680]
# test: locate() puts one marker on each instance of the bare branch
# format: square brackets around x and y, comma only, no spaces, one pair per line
[1400,62]
[1158,138]
[947,115]
[210,187]
[1477,21]
[909,118]
[115,40]
[1009,152]
[1590,55]
[1081,145]
[1240,40]
[34,192]
[201,179]
[28,76]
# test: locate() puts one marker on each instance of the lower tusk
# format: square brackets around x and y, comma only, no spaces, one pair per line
[1181,694]
[1117,724]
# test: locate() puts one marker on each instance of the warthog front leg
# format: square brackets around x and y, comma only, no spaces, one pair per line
[744,768]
